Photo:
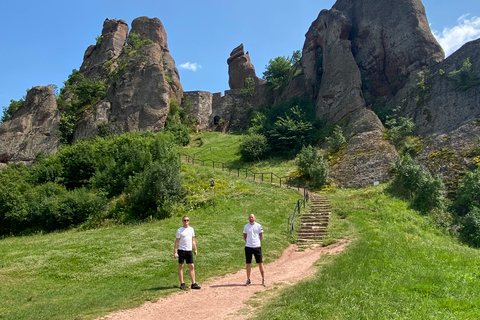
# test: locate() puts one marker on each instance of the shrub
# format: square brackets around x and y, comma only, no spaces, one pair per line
[312,165]
[253,147]
[469,231]
[468,193]
[10,110]
[336,140]
[13,207]
[155,191]
[425,192]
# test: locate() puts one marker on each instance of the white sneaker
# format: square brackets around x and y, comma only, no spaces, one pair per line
[264,282]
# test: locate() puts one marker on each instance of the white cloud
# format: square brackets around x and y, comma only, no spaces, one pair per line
[453,38]
[190,66]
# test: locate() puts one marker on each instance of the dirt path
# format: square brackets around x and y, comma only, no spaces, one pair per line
[226,297]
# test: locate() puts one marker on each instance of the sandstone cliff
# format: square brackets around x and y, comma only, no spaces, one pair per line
[32,130]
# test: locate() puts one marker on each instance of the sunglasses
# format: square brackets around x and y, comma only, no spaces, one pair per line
[185,220]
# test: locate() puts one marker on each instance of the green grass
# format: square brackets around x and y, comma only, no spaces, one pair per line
[218,147]
[397,267]
[85,274]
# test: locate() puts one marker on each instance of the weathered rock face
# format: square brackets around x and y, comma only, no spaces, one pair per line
[339,85]
[240,68]
[112,42]
[390,40]
[445,113]
[138,98]
[32,129]
[368,156]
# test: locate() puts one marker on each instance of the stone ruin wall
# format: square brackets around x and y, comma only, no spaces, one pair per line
[209,108]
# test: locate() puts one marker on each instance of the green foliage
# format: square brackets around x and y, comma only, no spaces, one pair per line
[336,140]
[98,40]
[82,93]
[103,129]
[288,126]
[253,147]
[291,133]
[249,88]
[135,40]
[399,130]
[155,191]
[412,179]
[74,185]
[178,123]
[13,209]
[10,110]
[66,127]
[465,78]
[312,165]
[468,193]
[469,231]
[278,71]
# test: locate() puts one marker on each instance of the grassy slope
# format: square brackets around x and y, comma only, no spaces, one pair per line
[399,267]
[81,275]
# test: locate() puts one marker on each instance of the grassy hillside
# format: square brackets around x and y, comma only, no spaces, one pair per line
[81,275]
[397,267]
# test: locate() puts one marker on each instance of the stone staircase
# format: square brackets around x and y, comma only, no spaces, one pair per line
[314,224]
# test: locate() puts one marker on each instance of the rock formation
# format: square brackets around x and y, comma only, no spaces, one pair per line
[32,129]
[240,68]
[146,79]
[390,40]
[109,47]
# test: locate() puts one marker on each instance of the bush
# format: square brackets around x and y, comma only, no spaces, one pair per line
[336,140]
[468,193]
[469,231]
[13,206]
[416,182]
[155,191]
[313,166]
[253,147]
[10,110]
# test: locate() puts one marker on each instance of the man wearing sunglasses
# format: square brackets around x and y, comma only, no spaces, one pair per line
[184,243]
[253,235]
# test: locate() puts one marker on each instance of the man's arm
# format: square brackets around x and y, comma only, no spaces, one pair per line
[175,249]
[261,236]
[245,237]
[194,245]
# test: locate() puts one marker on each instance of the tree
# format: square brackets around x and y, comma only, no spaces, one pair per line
[312,165]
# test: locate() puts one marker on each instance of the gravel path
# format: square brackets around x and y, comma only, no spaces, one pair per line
[226,297]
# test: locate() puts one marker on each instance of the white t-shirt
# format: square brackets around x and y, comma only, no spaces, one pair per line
[253,235]
[185,235]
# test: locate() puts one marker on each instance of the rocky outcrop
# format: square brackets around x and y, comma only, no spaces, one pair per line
[339,85]
[109,47]
[333,78]
[390,40]
[32,129]
[141,82]
[240,68]
[367,157]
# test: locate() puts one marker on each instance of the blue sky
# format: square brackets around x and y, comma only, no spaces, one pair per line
[43,41]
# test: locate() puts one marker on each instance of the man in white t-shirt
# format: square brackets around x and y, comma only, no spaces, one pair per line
[184,243]
[253,235]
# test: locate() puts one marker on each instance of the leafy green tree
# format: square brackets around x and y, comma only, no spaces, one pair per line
[155,191]
[469,231]
[312,165]
[424,190]
[336,140]
[468,193]
[254,147]
[13,207]
[291,133]
[10,110]
[277,73]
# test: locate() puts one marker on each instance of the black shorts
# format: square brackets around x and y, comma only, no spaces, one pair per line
[257,252]
[185,256]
